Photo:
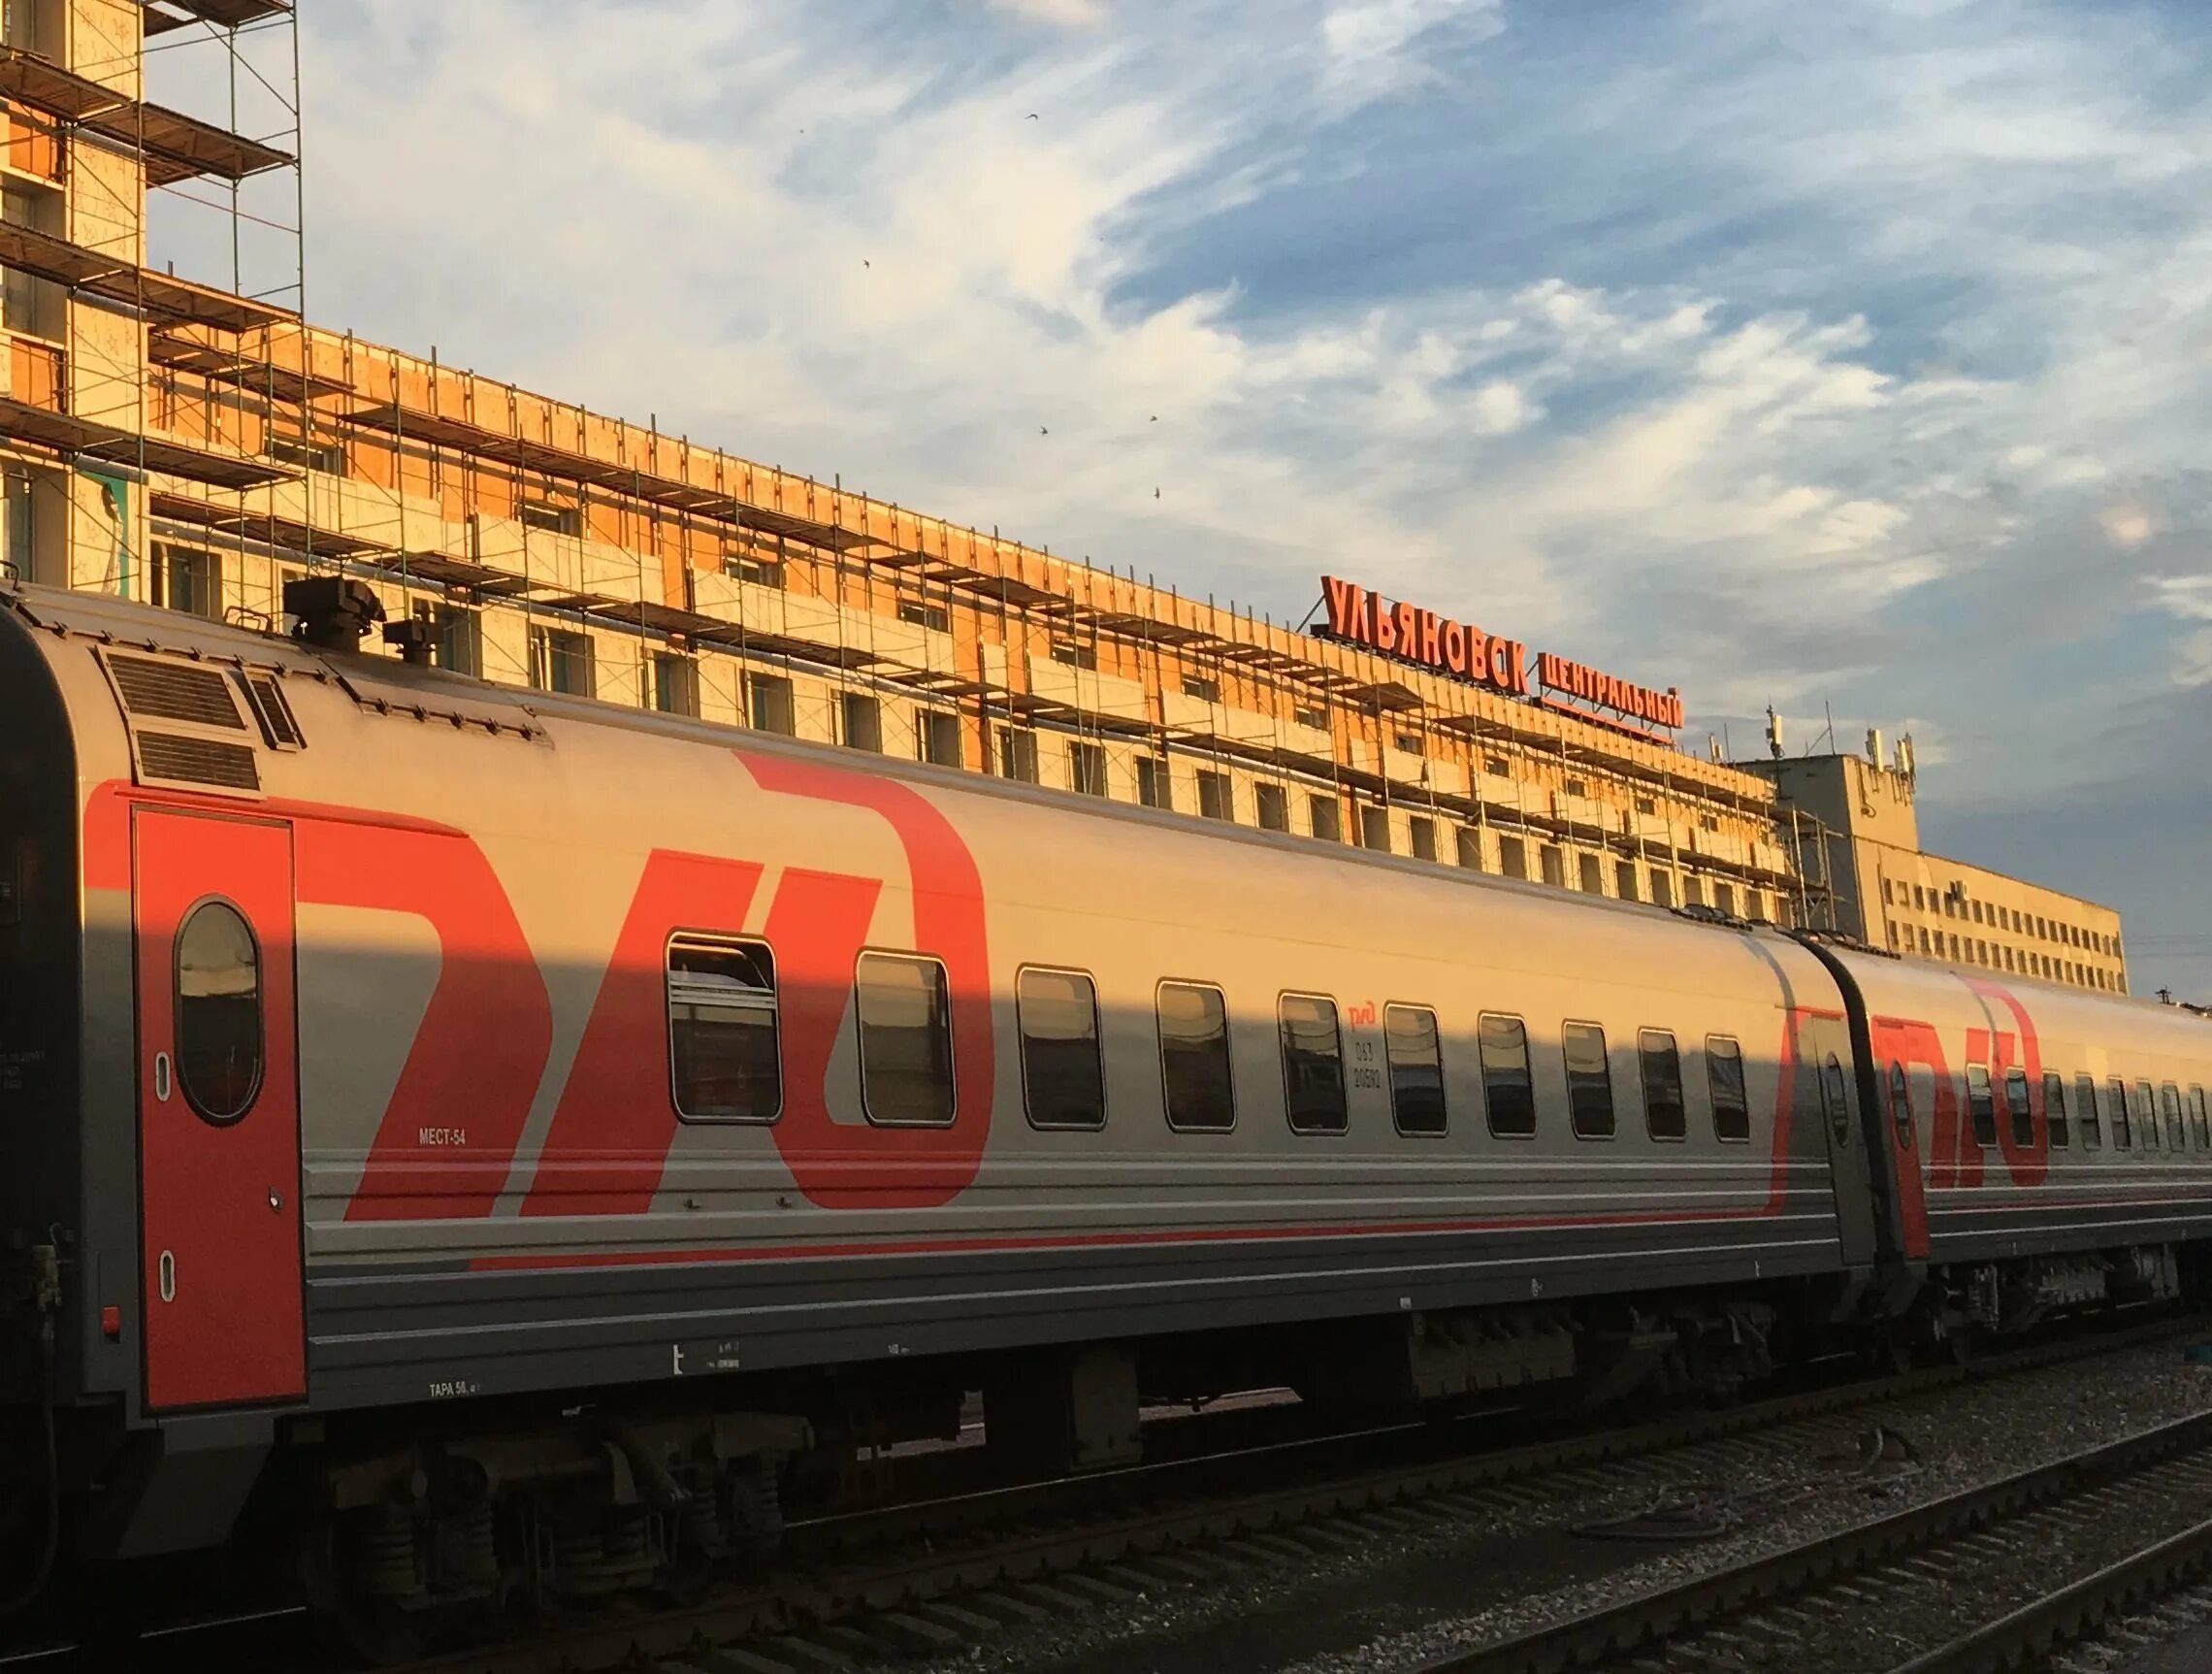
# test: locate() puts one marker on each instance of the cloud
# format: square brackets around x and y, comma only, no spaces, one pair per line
[1369,45]
[1066,13]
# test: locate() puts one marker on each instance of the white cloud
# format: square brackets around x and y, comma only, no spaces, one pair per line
[1067,14]
[1371,48]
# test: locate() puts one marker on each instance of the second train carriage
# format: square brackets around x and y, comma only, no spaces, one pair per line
[418,1063]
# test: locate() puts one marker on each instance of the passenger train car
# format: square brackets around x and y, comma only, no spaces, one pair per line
[478,1133]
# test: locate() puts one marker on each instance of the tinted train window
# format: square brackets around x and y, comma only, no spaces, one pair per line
[1982,1102]
[723,1062]
[1900,1103]
[2022,1112]
[2055,1111]
[1731,1104]
[2123,1129]
[1313,1064]
[2085,1108]
[218,1013]
[906,1041]
[1508,1089]
[2169,1098]
[1589,1080]
[1063,1081]
[1837,1098]
[2143,1116]
[1664,1115]
[1417,1069]
[1194,1059]
[2199,1120]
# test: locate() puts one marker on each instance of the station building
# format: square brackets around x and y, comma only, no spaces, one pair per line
[199,445]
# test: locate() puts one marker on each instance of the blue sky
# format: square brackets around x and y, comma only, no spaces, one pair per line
[1849,358]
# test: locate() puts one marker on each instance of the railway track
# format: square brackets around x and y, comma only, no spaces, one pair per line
[1996,1577]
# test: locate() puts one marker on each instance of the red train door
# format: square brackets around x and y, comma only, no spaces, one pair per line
[219,1111]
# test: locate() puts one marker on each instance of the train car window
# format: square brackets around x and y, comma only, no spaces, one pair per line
[1837,1098]
[2055,1110]
[1731,1104]
[2144,1115]
[1313,1064]
[1900,1103]
[2170,1100]
[1194,1059]
[2085,1109]
[1665,1116]
[1982,1102]
[722,1060]
[2197,1119]
[1063,1077]
[1508,1089]
[218,1013]
[2023,1111]
[906,1041]
[2122,1130]
[1589,1080]
[1416,1071]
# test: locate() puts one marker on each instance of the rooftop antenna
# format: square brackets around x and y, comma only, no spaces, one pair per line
[1773,734]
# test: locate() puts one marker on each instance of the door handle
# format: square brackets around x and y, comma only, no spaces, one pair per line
[161,1076]
[168,1272]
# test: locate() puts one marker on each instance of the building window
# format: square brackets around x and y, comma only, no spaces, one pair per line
[1017,754]
[1416,1071]
[460,640]
[1469,844]
[675,684]
[1155,782]
[560,661]
[1087,768]
[1578,787]
[937,737]
[759,571]
[1217,797]
[859,721]
[1693,890]
[768,707]
[1919,899]
[1924,943]
[1555,865]
[1589,1081]
[1664,1114]
[1646,805]
[1662,888]
[1195,1078]
[1731,1100]
[1375,829]
[1072,654]
[1324,818]
[923,614]
[1708,822]
[1274,807]
[1981,1102]
[722,1059]
[1754,906]
[1593,879]
[1509,1092]
[906,1041]
[1513,858]
[1421,832]
[551,519]
[1064,1076]
[218,1013]
[1495,767]
[1313,1064]
[2085,1105]
[1310,716]
[1724,898]
[1625,880]
[1406,743]
[186,578]
[1200,687]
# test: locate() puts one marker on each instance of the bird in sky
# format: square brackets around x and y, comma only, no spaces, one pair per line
[1030,117]
[1155,418]
[1156,494]
[1042,431]
[865,262]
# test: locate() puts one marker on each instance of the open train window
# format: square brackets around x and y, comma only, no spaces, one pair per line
[1589,1080]
[1508,1089]
[2055,1110]
[1063,1077]
[1416,1071]
[2144,1115]
[2023,1111]
[2169,1101]
[1313,1064]
[723,1062]
[2197,1119]
[1731,1102]
[2085,1102]
[1664,1116]
[1194,1059]
[1900,1103]
[218,1013]
[2122,1130]
[906,1041]
[1981,1103]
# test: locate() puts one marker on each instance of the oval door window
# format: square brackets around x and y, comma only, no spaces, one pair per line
[1900,1105]
[218,1013]
[1836,1098]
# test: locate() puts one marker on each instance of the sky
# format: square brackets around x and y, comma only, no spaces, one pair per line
[1848,359]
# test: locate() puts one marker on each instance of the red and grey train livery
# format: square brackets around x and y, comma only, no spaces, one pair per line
[479,1133]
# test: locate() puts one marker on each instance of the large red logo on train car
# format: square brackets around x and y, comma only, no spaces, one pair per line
[487,1032]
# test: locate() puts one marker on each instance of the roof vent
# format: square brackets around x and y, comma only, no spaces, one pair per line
[172,691]
[333,611]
